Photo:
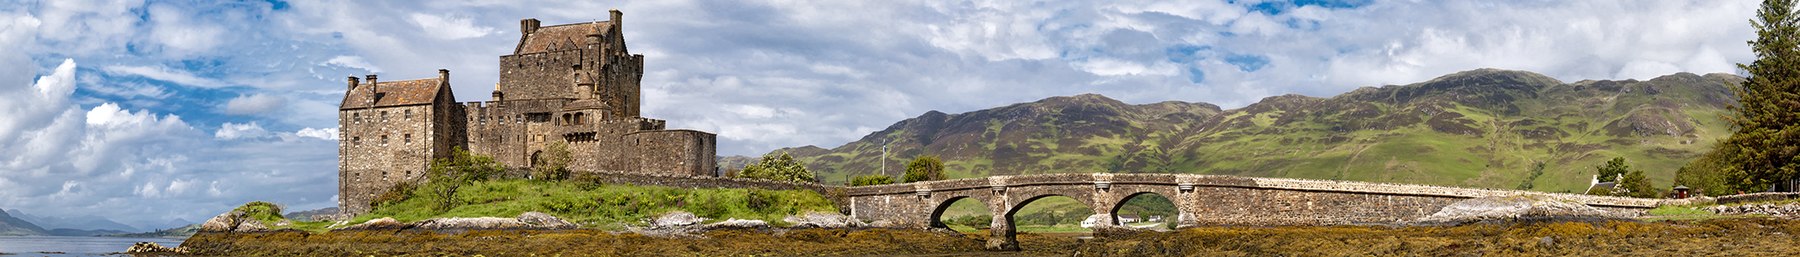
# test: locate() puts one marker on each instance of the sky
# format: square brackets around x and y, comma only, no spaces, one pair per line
[150,111]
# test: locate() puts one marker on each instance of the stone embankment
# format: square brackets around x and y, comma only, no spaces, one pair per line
[1527,208]
[1788,210]
[528,220]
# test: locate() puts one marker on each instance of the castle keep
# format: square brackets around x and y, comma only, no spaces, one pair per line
[573,83]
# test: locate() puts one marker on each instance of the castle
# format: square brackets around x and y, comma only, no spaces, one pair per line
[573,83]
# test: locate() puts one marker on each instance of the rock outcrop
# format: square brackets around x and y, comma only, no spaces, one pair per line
[223,223]
[1790,210]
[823,220]
[1515,208]
[153,248]
[676,219]
[528,220]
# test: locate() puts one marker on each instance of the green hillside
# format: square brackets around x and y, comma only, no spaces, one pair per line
[1482,128]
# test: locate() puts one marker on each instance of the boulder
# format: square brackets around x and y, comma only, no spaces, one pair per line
[541,220]
[149,247]
[676,219]
[738,224]
[223,223]
[1516,208]
[383,223]
[250,225]
[470,223]
[823,220]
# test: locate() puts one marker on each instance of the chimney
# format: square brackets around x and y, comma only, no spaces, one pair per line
[444,76]
[497,95]
[352,83]
[372,91]
[617,24]
[527,26]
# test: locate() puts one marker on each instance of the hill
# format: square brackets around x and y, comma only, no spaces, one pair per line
[1482,128]
[12,226]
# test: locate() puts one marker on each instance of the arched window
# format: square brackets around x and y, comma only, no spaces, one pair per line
[578,117]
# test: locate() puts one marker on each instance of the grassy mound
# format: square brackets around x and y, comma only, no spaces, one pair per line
[266,212]
[598,205]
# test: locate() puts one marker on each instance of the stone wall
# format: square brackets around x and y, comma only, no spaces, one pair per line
[677,152]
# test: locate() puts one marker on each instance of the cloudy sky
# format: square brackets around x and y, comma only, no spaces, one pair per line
[148,111]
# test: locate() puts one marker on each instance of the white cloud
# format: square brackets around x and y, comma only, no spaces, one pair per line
[354,62]
[182,77]
[323,134]
[240,131]
[179,35]
[448,27]
[253,104]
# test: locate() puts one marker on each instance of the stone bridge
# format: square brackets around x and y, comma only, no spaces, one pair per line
[1200,199]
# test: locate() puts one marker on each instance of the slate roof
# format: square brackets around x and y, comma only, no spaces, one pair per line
[561,36]
[395,93]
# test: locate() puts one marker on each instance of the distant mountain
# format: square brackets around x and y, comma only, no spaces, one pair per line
[176,232]
[311,215]
[85,222]
[13,226]
[83,232]
[1481,128]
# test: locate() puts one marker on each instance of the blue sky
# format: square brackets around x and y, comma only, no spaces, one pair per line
[147,111]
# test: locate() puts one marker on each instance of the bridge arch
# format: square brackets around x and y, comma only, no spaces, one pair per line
[936,219]
[1119,205]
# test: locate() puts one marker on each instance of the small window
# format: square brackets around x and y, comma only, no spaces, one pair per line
[383,115]
[384,140]
[356,141]
[408,175]
[356,118]
[384,175]
[408,139]
[408,114]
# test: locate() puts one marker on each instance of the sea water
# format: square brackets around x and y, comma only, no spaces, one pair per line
[73,245]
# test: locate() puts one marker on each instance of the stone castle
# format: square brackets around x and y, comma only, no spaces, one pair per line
[571,83]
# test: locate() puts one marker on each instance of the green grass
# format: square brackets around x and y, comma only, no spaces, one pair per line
[600,206]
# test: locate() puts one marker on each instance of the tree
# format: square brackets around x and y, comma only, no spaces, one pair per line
[1627,182]
[1765,149]
[1634,184]
[871,179]
[778,167]
[1612,170]
[553,164]
[924,168]
[451,173]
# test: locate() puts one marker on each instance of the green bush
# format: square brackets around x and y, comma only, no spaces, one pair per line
[872,179]
[778,167]
[924,168]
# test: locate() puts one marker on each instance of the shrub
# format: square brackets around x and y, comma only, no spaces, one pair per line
[553,163]
[778,167]
[872,179]
[924,168]
[395,193]
[448,175]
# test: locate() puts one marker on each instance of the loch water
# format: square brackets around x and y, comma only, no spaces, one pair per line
[73,245]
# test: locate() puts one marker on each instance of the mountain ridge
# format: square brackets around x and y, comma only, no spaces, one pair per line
[1477,128]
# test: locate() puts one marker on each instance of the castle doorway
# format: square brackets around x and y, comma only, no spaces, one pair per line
[534,158]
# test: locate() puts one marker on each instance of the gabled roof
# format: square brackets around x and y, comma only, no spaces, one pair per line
[561,36]
[395,93]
